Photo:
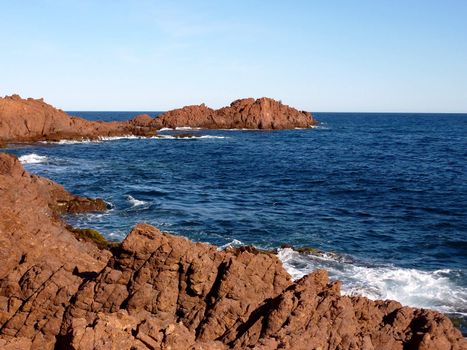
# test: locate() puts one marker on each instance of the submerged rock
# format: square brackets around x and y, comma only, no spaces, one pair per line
[159,291]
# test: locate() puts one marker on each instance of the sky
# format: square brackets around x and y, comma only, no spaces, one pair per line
[362,56]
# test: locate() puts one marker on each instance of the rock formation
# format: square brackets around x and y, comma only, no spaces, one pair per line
[263,113]
[28,120]
[158,291]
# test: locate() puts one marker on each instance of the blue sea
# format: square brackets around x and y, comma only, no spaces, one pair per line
[382,196]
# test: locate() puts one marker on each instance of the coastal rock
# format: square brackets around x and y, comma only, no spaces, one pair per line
[40,260]
[263,113]
[159,291]
[28,120]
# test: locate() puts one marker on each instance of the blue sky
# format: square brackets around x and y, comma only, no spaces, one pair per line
[315,55]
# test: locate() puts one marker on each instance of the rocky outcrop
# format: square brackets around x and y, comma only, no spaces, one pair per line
[40,261]
[158,291]
[262,113]
[27,120]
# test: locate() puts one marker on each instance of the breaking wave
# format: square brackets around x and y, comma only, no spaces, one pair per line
[32,158]
[192,137]
[135,202]
[232,243]
[424,289]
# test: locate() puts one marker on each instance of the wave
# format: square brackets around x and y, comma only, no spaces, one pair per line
[71,142]
[97,140]
[135,202]
[175,137]
[412,287]
[232,243]
[180,128]
[124,137]
[319,127]
[32,158]
[186,128]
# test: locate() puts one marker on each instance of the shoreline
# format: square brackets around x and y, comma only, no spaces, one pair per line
[63,287]
[196,289]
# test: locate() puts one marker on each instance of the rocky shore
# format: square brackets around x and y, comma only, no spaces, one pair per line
[61,290]
[30,120]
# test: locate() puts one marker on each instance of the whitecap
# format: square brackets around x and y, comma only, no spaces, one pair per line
[193,137]
[32,158]
[186,128]
[124,137]
[232,243]
[70,142]
[135,202]
[412,287]
[98,140]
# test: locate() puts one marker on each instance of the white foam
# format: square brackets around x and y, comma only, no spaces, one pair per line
[186,128]
[124,137]
[232,243]
[412,287]
[135,202]
[320,126]
[174,137]
[70,142]
[166,129]
[32,158]
[98,140]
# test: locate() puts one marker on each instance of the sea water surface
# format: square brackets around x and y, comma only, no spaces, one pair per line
[384,196]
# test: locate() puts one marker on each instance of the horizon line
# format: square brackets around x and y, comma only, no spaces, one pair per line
[335,112]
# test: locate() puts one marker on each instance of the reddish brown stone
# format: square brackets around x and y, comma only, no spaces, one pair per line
[263,113]
[27,120]
[159,291]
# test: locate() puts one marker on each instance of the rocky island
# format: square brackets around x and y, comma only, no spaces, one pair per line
[29,120]
[68,288]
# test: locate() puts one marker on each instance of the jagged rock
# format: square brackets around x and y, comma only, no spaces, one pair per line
[159,291]
[262,113]
[38,257]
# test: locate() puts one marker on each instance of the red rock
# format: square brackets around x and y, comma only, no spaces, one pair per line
[27,120]
[159,291]
[37,257]
[263,113]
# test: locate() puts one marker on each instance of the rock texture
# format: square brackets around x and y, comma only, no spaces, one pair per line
[27,120]
[158,291]
[38,256]
[262,113]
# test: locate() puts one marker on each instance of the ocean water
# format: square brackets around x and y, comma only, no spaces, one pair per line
[382,196]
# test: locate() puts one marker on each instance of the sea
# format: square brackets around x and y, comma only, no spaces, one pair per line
[380,197]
